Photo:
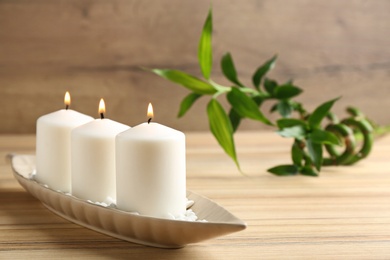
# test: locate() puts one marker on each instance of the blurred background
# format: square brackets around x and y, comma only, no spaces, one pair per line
[95,48]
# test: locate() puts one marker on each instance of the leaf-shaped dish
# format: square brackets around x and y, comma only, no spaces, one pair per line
[150,231]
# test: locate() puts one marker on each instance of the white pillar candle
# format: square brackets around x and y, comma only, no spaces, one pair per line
[53,146]
[151,170]
[93,158]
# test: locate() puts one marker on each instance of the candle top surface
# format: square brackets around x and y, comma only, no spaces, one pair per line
[151,131]
[100,127]
[65,117]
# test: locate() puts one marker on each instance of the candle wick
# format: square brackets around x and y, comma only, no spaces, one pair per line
[150,119]
[66,107]
[101,116]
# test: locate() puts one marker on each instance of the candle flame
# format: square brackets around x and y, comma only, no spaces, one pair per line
[67,99]
[102,107]
[150,111]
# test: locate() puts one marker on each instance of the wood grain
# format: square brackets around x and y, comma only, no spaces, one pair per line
[343,214]
[96,48]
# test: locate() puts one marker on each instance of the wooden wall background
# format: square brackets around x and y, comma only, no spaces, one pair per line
[94,48]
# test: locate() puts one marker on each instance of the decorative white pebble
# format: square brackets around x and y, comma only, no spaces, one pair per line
[189,203]
[109,202]
[31,176]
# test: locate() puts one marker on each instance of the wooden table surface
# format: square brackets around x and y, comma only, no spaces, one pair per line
[343,214]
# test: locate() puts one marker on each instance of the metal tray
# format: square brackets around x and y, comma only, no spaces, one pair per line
[145,230]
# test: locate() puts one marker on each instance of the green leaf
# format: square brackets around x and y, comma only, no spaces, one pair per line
[297,107]
[324,137]
[205,53]
[221,128]
[245,106]
[187,102]
[296,154]
[286,91]
[258,100]
[229,69]
[261,71]
[315,152]
[270,85]
[235,119]
[308,171]
[274,108]
[284,108]
[297,132]
[320,112]
[192,83]
[289,122]
[284,170]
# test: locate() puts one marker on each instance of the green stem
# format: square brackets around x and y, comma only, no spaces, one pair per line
[365,128]
[218,87]
[224,89]
[345,133]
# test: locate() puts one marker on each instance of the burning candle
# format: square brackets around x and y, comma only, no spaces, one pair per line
[93,158]
[151,170]
[53,146]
